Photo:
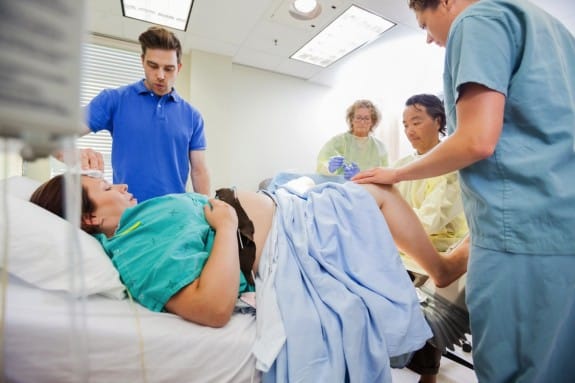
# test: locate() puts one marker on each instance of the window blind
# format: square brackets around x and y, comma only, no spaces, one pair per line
[103,67]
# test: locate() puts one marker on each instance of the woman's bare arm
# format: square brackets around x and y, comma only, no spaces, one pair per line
[211,298]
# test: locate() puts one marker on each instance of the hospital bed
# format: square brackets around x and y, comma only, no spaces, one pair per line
[54,335]
[123,342]
[57,333]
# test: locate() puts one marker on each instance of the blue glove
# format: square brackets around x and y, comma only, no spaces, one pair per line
[335,163]
[350,170]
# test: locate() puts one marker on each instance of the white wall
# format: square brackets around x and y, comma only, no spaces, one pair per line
[257,122]
[10,160]
[209,92]
[277,124]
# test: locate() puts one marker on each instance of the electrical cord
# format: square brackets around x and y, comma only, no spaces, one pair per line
[140,338]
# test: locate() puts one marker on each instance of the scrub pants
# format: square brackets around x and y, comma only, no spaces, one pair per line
[522,316]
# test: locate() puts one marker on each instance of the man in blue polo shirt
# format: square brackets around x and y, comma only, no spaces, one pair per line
[158,138]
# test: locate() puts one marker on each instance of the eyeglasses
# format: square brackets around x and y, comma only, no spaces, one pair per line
[359,118]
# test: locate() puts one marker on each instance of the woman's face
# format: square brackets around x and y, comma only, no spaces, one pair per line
[110,202]
[361,122]
[421,129]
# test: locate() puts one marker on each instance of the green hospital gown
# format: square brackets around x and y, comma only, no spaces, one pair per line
[161,245]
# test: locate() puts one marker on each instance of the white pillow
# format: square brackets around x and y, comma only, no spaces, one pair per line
[20,186]
[39,246]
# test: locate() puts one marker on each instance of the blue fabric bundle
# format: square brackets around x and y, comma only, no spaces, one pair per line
[345,298]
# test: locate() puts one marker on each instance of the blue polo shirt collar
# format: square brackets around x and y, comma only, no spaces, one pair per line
[141,89]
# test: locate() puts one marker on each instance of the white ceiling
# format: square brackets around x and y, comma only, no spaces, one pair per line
[261,34]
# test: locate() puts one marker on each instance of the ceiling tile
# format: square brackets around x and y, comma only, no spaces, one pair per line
[247,30]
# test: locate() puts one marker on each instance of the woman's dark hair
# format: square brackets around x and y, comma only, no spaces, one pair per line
[50,196]
[433,107]
[160,38]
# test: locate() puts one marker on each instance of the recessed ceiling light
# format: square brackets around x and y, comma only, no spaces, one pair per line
[305,6]
[305,9]
[352,29]
[170,13]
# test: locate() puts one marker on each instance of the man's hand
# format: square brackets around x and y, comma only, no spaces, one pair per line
[89,159]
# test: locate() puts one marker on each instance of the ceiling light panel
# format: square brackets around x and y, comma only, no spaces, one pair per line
[170,13]
[352,29]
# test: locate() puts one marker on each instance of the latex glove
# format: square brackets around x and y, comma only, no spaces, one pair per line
[335,163]
[350,170]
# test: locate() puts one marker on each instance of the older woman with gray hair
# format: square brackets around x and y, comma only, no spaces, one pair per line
[357,149]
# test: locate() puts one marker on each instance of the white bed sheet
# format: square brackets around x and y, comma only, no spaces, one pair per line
[38,346]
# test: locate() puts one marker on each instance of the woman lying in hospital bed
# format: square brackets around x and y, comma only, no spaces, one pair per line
[316,253]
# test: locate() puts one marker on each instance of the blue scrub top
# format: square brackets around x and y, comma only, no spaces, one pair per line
[522,198]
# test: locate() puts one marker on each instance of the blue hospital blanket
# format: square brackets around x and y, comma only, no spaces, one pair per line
[346,301]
